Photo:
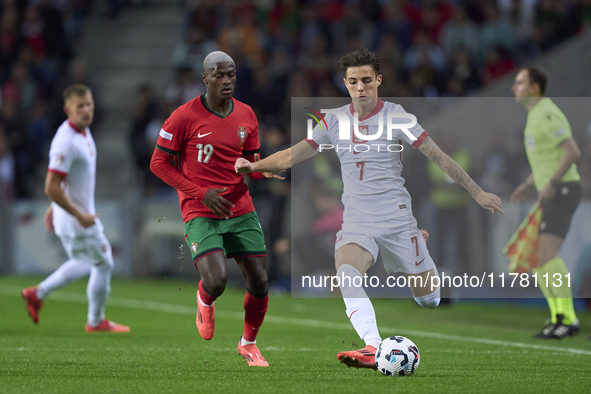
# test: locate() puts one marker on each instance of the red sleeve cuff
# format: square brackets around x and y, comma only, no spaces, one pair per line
[420,140]
[312,143]
[256,175]
[60,173]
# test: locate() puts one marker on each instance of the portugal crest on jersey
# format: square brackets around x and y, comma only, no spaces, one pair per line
[242,134]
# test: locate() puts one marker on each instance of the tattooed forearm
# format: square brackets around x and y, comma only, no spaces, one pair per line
[430,149]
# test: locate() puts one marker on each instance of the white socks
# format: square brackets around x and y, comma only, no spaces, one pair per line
[203,303]
[430,300]
[359,308]
[244,342]
[97,291]
[67,273]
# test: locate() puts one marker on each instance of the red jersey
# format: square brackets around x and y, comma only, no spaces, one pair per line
[206,145]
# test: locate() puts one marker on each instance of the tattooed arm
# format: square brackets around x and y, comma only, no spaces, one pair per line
[486,200]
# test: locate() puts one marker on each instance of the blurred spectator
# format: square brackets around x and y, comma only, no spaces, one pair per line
[464,69]
[280,67]
[16,138]
[497,65]
[436,13]
[33,30]
[396,24]
[184,88]
[266,97]
[425,51]
[39,133]
[53,30]
[192,49]
[459,33]
[242,32]
[7,171]
[9,36]
[390,57]
[556,21]
[20,88]
[153,184]
[495,32]
[146,109]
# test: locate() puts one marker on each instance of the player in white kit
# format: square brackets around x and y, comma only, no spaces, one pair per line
[378,215]
[70,184]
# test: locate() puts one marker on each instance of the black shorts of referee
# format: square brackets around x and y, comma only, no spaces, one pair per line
[559,211]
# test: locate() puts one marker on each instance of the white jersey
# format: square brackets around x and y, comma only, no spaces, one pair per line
[373,187]
[73,156]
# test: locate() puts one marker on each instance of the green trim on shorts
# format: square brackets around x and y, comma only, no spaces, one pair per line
[236,237]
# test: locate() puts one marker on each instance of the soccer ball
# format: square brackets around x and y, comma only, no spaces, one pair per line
[397,356]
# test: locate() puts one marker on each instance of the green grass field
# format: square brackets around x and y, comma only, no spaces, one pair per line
[470,347]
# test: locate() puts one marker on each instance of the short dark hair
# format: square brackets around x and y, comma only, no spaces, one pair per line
[76,89]
[538,75]
[361,57]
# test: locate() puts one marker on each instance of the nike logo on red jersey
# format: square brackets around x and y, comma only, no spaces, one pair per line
[419,263]
[203,135]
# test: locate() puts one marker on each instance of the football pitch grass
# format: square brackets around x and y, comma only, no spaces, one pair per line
[470,347]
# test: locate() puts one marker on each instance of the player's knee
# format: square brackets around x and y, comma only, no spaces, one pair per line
[258,283]
[216,286]
[105,265]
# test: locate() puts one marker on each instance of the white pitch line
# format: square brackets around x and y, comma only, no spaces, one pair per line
[184,310]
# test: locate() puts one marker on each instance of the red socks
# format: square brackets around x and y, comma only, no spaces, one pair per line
[205,296]
[255,310]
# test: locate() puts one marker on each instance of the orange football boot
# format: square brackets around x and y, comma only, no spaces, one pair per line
[362,358]
[34,304]
[253,355]
[107,326]
[205,319]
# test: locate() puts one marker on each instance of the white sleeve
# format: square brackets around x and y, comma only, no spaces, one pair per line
[61,156]
[417,131]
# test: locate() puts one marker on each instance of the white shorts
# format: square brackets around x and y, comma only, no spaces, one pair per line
[399,241]
[90,247]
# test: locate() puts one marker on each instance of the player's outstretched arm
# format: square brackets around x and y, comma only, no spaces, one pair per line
[486,200]
[257,157]
[277,162]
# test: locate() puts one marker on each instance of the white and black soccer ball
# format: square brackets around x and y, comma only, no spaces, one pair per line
[397,356]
